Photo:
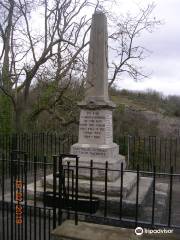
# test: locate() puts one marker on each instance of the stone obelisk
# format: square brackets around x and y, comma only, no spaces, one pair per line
[95,129]
[96,135]
[97,74]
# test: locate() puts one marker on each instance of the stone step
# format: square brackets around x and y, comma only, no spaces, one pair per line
[145,184]
[129,202]
[110,155]
[113,188]
[88,231]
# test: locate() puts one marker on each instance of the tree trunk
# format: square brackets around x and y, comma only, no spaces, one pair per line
[17,120]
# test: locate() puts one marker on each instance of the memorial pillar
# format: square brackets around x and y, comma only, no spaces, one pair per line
[95,140]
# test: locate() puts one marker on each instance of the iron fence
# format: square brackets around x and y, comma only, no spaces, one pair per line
[34,200]
[145,151]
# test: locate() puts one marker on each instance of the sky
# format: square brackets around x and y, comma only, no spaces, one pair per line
[164,44]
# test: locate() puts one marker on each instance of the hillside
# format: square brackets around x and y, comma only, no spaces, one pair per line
[147,113]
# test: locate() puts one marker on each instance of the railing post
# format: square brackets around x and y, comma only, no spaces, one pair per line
[25,193]
[61,197]
[105,190]
[12,195]
[35,203]
[91,185]
[77,174]
[44,182]
[14,142]
[54,189]
[137,196]
[170,196]
[68,176]
[153,200]
[121,192]
[3,205]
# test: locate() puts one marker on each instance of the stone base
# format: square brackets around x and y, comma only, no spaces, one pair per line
[88,231]
[98,168]
[113,198]
[99,154]
[104,152]
[113,192]
[113,188]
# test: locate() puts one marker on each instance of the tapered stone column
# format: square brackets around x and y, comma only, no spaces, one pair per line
[97,73]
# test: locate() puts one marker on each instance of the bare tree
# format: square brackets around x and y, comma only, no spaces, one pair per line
[55,51]
[26,54]
[124,45]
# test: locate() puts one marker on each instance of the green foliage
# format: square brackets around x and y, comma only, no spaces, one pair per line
[49,91]
[5,114]
[54,107]
[120,108]
[45,112]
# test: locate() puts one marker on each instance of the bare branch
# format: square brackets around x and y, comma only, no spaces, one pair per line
[24,12]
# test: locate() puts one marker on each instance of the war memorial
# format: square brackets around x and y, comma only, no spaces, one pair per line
[110,182]
[89,193]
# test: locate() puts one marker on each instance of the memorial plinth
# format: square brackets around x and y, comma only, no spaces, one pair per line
[96,143]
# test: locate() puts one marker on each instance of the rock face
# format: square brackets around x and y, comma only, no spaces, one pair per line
[95,129]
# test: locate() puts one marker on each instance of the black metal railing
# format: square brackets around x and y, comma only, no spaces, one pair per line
[145,151]
[52,190]
[22,216]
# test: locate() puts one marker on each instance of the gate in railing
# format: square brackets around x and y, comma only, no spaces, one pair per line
[39,195]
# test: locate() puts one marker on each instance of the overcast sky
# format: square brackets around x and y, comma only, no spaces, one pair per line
[164,43]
